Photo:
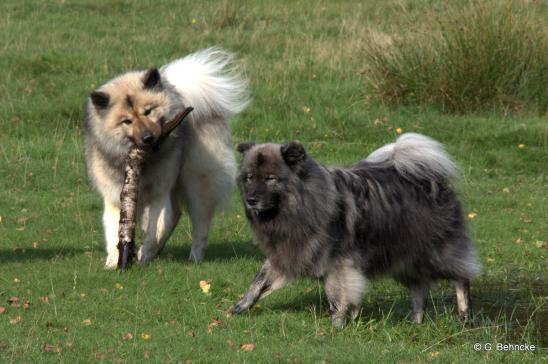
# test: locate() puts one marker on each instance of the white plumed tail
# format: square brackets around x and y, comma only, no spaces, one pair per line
[415,155]
[209,81]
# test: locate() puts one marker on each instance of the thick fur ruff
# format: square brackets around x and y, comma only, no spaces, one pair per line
[194,166]
[394,213]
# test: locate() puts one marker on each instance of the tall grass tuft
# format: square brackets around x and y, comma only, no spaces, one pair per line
[485,55]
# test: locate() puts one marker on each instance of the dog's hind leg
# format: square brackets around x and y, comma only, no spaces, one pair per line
[419,297]
[158,221]
[344,287]
[462,289]
[111,219]
[266,281]
[200,203]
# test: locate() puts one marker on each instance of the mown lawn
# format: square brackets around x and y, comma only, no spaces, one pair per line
[305,63]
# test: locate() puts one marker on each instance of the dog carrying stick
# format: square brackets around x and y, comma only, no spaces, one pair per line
[128,197]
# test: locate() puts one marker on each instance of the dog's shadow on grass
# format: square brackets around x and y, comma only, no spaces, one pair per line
[216,252]
[382,309]
[31,254]
[492,304]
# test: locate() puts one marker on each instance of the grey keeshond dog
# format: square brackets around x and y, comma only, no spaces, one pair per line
[394,213]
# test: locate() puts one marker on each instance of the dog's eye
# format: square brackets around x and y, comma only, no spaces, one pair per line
[126,121]
[271,178]
[148,111]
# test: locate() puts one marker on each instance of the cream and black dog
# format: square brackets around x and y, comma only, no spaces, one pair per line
[194,167]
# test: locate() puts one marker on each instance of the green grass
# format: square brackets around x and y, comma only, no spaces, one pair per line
[298,55]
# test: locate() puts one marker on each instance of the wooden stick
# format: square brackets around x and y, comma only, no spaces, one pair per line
[128,197]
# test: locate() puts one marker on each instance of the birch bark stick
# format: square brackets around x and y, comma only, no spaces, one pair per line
[128,197]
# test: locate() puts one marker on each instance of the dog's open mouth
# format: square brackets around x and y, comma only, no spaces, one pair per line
[265,214]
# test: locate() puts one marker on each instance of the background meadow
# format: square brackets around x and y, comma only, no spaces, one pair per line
[343,77]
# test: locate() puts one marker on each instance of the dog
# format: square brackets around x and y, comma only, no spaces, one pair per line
[394,213]
[194,167]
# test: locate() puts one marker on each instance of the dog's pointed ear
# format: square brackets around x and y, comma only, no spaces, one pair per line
[100,99]
[151,79]
[244,147]
[293,152]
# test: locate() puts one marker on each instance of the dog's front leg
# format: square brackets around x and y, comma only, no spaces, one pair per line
[344,287]
[266,281]
[111,217]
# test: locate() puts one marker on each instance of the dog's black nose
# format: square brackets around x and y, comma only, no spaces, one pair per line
[148,138]
[251,201]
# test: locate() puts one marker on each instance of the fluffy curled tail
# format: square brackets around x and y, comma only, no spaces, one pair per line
[209,81]
[417,156]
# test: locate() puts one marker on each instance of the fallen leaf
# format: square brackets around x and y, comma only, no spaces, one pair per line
[540,244]
[306,109]
[490,260]
[230,343]
[146,336]
[16,280]
[44,299]
[2,309]
[205,286]
[434,354]
[472,215]
[1,218]
[46,348]
[26,305]
[14,301]
[506,190]
[87,322]
[22,220]
[213,324]
[35,245]
[191,333]
[100,356]
[398,131]
[521,146]
[119,286]
[128,336]
[15,320]
[247,347]
[146,354]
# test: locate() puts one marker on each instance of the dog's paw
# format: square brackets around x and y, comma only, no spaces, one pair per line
[339,321]
[239,308]
[144,256]
[416,317]
[112,261]
[196,255]
[464,316]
